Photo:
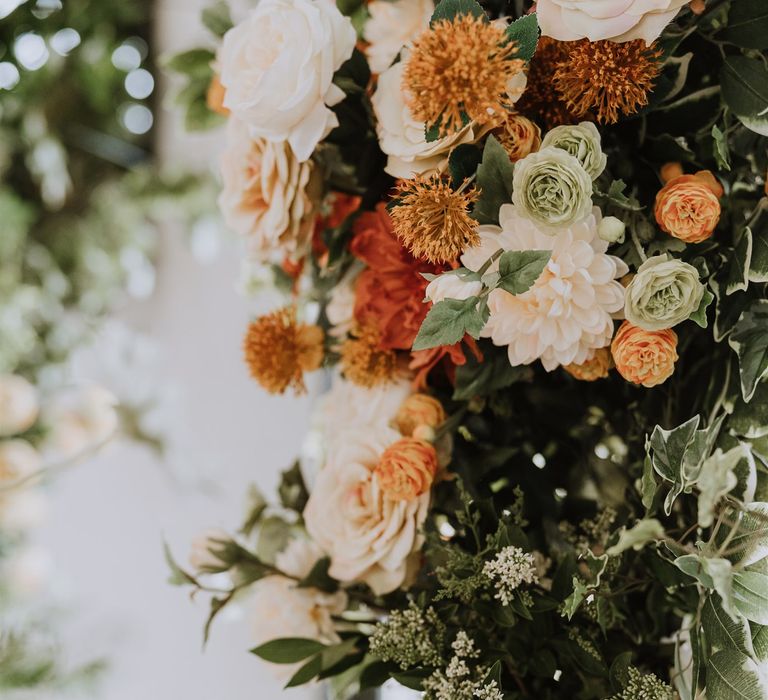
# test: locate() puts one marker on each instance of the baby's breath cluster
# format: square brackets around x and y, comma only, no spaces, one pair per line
[508,570]
[410,637]
[459,680]
[644,686]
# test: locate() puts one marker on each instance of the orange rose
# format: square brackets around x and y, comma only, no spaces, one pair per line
[406,469]
[418,410]
[688,206]
[596,368]
[644,357]
[519,136]
[215,97]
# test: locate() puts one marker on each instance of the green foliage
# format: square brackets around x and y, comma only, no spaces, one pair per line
[519,269]
[525,33]
[448,9]
[494,180]
[448,321]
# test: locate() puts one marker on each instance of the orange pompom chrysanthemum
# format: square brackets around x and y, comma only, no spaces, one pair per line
[364,361]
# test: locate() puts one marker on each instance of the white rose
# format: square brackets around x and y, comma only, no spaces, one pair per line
[341,305]
[368,537]
[616,20]
[266,194]
[18,405]
[18,459]
[277,69]
[202,553]
[402,138]
[392,25]
[452,286]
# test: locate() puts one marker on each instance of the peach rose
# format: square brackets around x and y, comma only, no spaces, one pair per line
[688,206]
[406,469]
[644,357]
[596,367]
[419,409]
[519,136]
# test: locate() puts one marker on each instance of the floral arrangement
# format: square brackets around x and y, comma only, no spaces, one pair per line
[534,250]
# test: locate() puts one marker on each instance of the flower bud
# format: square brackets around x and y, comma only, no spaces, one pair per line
[611,229]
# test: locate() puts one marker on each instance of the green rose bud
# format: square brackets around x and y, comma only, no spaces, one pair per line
[663,293]
[552,189]
[582,142]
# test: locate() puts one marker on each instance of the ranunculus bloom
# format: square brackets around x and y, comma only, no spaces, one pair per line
[402,138]
[663,293]
[617,20]
[369,537]
[277,69]
[583,142]
[567,313]
[19,407]
[688,206]
[596,367]
[266,194]
[419,409]
[644,357]
[392,25]
[518,135]
[407,469]
[390,293]
[552,188]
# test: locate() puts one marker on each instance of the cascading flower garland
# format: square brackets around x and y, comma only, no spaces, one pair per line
[539,261]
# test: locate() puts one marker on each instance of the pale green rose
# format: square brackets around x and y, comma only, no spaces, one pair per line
[551,188]
[663,293]
[583,142]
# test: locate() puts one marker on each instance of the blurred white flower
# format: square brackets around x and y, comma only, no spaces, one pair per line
[27,571]
[19,405]
[393,24]
[341,305]
[23,509]
[18,459]
[202,554]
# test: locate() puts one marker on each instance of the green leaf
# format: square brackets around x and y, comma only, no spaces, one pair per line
[288,650]
[616,196]
[463,162]
[747,25]
[648,485]
[525,33]
[760,642]
[723,632]
[354,74]
[750,595]
[713,573]
[640,534]
[750,342]
[619,671]
[732,675]
[699,317]
[217,18]
[744,87]
[318,577]
[519,269]
[195,63]
[750,543]
[720,149]
[306,673]
[494,180]
[448,321]
[668,457]
[758,268]
[448,9]
[178,576]
[737,271]
[715,480]
[481,378]
[750,420]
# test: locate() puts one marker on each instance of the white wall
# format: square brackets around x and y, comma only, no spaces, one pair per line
[109,516]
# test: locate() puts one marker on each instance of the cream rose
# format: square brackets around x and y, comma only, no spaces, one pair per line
[369,537]
[266,194]
[452,286]
[616,20]
[277,70]
[18,405]
[402,138]
[392,25]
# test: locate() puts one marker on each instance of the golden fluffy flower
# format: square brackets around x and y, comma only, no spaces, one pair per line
[595,368]
[607,78]
[278,350]
[419,410]
[518,135]
[688,206]
[432,220]
[460,68]
[364,361]
[644,357]
[406,469]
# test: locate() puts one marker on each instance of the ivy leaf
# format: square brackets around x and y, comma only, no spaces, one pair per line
[525,33]
[750,341]
[744,88]
[747,25]
[448,9]
[288,650]
[449,321]
[737,271]
[750,420]
[519,269]
[732,675]
[720,149]
[699,317]
[750,595]
[714,573]
[494,180]
[715,480]
[758,268]
[636,537]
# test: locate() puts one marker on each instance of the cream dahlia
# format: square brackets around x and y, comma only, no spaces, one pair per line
[392,25]
[567,314]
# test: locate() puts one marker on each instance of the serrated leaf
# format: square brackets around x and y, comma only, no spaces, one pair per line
[448,9]
[519,269]
[448,322]
[744,88]
[750,595]
[750,342]
[494,180]
[723,632]
[525,33]
[288,650]
[732,675]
